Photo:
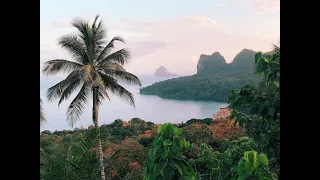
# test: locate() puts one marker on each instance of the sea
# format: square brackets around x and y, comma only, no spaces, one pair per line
[147,107]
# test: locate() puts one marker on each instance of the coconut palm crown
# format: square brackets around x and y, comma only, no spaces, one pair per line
[94,68]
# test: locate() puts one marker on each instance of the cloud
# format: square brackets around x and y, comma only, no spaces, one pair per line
[174,43]
[127,20]
[144,48]
[48,52]
[60,24]
[262,5]
[180,24]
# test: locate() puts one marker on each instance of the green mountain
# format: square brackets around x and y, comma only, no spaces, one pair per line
[213,80]
[211,64]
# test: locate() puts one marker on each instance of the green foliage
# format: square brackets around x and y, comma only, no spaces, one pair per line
[165,159]
[146,141]
[258,107]
[77,136]
[66,139]
[46,132]
[211,84]
[67,162]
[55,155]
[59,133]
[198,133]
[207,121]
[117,132]
[221,165]
[254,166]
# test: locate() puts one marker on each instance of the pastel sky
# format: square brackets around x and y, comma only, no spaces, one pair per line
[172,33]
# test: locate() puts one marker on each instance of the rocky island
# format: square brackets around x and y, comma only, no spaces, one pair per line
[162,72]
[212,82]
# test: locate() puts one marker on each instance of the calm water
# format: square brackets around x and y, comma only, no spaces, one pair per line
[148,108]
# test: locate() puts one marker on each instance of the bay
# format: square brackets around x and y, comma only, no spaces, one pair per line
[147,107]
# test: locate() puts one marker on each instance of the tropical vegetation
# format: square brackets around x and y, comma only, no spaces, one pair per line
[240,142]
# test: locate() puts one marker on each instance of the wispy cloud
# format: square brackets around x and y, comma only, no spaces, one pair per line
[127,20]
[262,5]
[60,24]
[175,43]
[143,48]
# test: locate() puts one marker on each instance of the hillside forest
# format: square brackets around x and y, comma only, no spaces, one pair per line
[213,80]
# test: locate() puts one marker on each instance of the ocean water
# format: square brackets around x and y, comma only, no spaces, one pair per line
[147,107]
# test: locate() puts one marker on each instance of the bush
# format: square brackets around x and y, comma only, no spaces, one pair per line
[165,159]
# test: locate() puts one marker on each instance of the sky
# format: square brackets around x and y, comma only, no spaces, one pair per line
[170,33]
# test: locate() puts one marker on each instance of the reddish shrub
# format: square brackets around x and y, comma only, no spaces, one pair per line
[224,128]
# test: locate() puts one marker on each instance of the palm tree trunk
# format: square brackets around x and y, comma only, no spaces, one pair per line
[95,111]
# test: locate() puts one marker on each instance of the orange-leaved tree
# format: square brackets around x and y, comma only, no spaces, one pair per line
[225,129]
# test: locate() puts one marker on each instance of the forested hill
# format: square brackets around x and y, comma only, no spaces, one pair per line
[213,80]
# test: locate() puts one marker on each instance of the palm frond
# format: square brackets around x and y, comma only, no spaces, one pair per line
[112,84]
[85,32]
[122,93]
[75,76]
[69,89]
[53,167]
[42,118]
[123,76]
[76,107]
[43,162]
[99,34]
[93,37]
[121,56]
[75,47]
[78,154]
[114,66]
[59,65]
[98,82]
[101,95]
[81,25]
[109,47]
[77,163]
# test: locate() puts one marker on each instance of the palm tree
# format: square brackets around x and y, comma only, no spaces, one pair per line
[42,118]
[94,69]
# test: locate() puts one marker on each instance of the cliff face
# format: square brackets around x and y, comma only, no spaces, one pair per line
[216,63]
[243,61]
[211,63]
[162,72]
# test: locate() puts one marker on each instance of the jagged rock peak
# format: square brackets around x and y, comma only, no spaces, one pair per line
[210,63]
[162,72]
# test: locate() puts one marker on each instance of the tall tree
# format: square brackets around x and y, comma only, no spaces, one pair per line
[42,118]
[95,67]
